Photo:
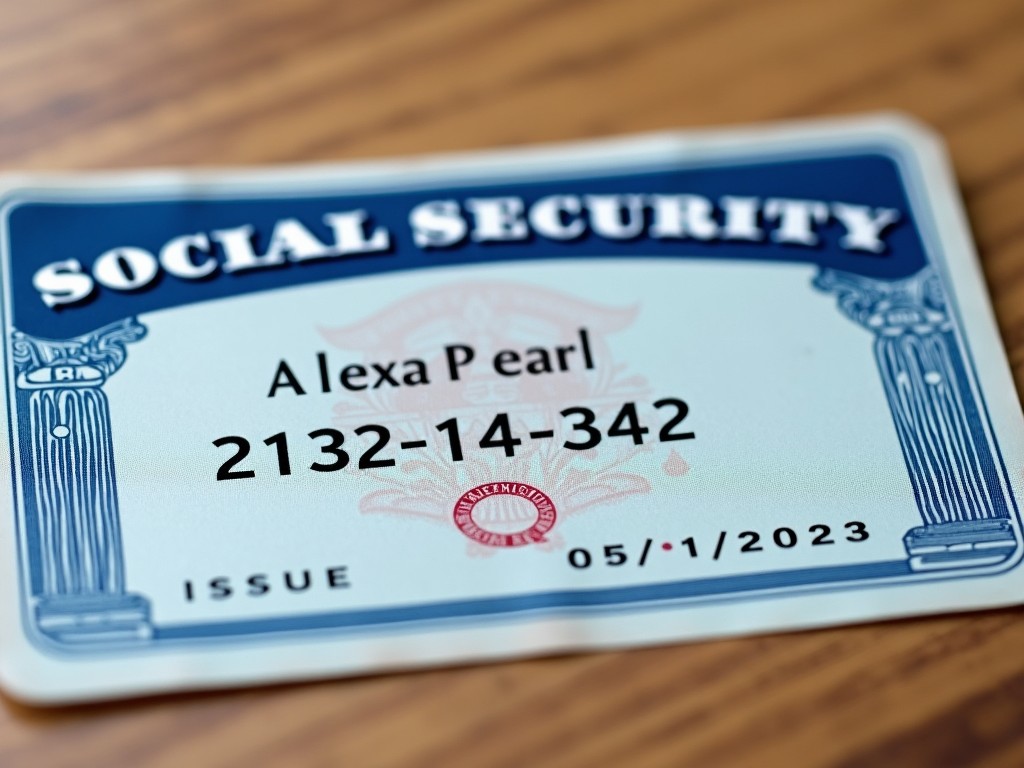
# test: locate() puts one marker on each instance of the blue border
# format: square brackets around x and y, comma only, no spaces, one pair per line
[713,590]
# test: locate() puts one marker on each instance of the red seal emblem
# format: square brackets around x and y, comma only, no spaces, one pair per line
[505,514]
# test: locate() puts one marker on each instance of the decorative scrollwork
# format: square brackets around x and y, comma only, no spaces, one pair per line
[915,305]
[103,348]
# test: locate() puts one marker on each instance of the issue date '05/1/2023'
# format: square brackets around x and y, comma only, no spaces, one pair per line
[585,433]
[783,538]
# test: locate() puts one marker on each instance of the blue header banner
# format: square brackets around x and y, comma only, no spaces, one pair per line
[76,266]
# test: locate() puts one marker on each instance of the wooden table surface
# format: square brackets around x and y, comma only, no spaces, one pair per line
[119,83]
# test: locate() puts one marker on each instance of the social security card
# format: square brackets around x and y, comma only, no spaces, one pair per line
[279,424]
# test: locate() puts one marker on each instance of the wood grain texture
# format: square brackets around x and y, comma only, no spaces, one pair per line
[120,83]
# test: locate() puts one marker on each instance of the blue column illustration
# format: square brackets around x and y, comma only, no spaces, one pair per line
[948,452]
[71,516]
